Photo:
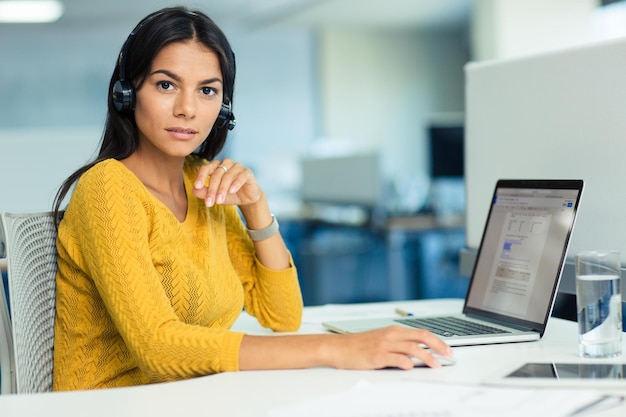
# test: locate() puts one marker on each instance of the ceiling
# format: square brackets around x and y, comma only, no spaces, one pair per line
[263,13]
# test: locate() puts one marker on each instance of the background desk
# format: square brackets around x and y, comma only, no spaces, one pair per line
[254,393]
[399,259]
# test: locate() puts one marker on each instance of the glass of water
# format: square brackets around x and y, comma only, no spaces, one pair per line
[599,303]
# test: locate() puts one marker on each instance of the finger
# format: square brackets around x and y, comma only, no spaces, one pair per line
[400,361]
[228,176]
[200,185]
[218,173]
[425,357]
[416,354]
[414,341]
[243,176]
[202,176]
[429,339]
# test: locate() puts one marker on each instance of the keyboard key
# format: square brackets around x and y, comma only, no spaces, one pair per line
[450,326]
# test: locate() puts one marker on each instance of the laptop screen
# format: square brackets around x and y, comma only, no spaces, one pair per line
[523,249]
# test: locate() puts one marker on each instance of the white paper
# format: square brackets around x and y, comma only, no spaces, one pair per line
[410,398]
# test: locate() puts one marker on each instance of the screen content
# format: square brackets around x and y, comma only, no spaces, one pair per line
[522,250]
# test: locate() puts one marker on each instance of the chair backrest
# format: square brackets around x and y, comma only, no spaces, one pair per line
[7,361]
[30,245]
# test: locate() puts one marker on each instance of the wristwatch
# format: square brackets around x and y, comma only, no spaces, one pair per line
[262,234]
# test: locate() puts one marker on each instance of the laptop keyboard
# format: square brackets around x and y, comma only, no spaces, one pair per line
[450,326]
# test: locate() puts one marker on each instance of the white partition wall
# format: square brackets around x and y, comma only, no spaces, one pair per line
[555,115]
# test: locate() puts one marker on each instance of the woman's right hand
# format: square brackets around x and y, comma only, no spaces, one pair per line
[387,347]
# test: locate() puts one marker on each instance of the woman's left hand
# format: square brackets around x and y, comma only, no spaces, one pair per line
[230,183]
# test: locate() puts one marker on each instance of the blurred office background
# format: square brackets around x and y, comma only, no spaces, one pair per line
[350,112]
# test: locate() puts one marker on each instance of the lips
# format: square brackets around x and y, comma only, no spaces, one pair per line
[181,130]
[182,133]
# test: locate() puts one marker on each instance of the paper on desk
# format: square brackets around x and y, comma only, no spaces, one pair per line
[410,398]
[319,314]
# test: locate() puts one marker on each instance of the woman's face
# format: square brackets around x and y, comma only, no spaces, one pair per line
[179,100]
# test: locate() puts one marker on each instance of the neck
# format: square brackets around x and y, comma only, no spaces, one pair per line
[163,179]
[159,175]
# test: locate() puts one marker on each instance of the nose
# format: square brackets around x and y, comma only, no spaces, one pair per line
[185,105]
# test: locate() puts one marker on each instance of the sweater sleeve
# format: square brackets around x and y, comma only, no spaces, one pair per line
[112,229]
[273,297]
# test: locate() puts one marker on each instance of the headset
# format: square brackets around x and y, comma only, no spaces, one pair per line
[123,92]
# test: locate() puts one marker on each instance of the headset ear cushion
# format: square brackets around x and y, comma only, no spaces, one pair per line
[123,96]
[225,118]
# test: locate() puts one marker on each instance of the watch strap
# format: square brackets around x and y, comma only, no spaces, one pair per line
[265,233]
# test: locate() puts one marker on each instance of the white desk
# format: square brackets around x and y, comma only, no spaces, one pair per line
[254,393]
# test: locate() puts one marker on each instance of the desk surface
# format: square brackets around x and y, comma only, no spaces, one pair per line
[255,393]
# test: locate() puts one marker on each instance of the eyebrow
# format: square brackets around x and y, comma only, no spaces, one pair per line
[177,78]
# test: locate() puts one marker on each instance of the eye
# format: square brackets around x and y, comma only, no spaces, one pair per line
[165,85]
[208,91]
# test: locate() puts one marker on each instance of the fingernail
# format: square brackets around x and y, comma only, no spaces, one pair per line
[198,184]
[209,202]
[436,364]
[220,198]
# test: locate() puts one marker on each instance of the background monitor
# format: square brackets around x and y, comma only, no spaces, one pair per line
[446,151]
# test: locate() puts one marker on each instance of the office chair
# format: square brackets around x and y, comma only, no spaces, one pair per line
[30,245]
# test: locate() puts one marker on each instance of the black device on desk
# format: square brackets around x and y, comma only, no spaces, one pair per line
[598,374]
[555,370]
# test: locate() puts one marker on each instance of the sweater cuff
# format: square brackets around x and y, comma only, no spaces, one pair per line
[230,351]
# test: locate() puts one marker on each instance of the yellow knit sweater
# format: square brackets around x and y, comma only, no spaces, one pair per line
[142,297]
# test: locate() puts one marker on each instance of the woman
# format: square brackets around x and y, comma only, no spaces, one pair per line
[155,263]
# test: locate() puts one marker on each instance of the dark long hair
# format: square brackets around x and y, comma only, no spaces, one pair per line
[157,30]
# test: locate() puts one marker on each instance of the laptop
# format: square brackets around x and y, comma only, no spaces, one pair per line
[517,270]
